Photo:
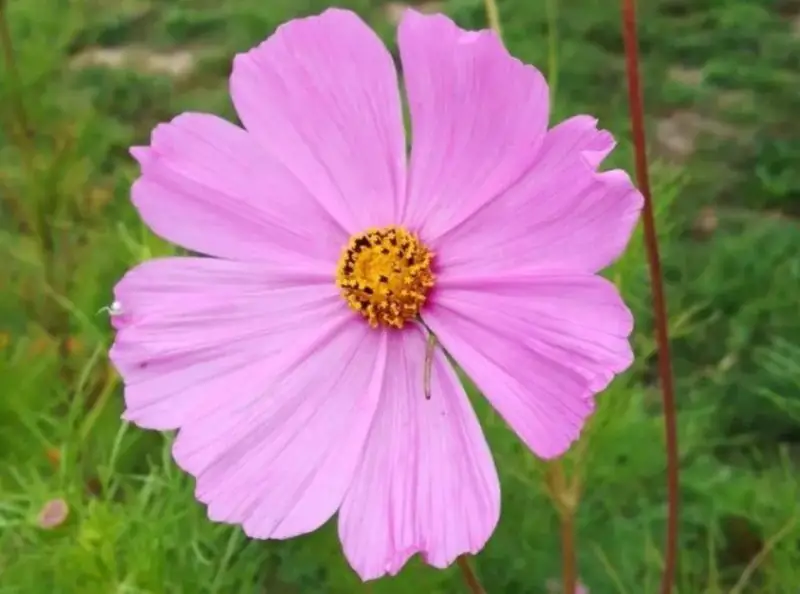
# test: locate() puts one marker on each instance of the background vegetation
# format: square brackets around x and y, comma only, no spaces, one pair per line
[721,81]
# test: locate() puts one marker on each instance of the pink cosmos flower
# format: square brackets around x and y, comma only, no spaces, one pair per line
[295,361]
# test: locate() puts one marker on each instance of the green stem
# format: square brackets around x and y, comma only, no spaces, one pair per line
[551,8]
[493,16]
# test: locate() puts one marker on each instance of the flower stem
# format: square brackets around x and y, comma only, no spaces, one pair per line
[656,282]
[569,569]
[551,8]
[565,498]
[470,578]
[493,16]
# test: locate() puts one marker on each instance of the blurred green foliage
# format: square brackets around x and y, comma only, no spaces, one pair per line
[721,80]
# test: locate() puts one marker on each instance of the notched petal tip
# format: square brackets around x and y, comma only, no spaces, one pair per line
[592,144]
[166,136]
[619,182]
[593,157]
[331,18]
[437,26]
[140,153]
[595,145]
[306,438]
[562,337]
[453,77]
[333,14]
[433,25]
[423,455]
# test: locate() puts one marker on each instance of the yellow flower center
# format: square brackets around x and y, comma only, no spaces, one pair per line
[385,275]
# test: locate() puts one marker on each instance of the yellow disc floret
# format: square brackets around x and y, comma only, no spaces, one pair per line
[385,275]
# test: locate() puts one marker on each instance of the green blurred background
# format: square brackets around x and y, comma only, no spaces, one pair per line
[721,82]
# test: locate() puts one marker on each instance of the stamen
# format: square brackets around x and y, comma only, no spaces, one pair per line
[385,275]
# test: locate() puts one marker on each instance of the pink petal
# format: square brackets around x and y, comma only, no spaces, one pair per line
[538,346]
[271,379]
[281,464]
[562,215]
[208,186]
[190,330]
[478,118]
[321,94]
[427,483]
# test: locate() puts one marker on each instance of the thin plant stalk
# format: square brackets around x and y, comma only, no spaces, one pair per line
[493,17]
[565,496]
[636,109]
[470,578]
[569,561]
[551,8]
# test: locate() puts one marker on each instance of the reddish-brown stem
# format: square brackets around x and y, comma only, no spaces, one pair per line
[569,565]
[656,282]
[470,578]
